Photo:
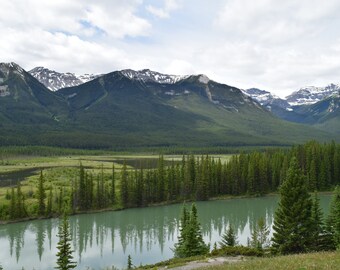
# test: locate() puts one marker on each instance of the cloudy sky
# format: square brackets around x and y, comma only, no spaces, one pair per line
[270,44]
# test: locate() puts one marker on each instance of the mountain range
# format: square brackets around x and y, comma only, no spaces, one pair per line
[143,108]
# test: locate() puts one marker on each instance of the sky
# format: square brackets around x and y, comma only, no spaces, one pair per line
[279,46]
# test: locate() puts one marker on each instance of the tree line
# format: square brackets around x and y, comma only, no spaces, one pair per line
[192,177]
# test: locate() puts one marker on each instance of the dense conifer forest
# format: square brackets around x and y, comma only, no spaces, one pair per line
[192,178]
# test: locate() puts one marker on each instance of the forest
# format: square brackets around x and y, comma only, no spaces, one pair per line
[193,178]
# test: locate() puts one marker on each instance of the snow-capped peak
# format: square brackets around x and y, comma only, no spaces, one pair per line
[55,80]
[312,94]
[147,75]
[266,98]
[6,67]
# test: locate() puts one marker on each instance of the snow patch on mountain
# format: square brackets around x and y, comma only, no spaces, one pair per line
[147,75]
[266,98]
[5,68]
[312,94]
[54,80]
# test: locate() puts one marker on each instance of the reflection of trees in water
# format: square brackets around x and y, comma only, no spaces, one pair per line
[142,229]
[16,236]
[236,212]
[40,232]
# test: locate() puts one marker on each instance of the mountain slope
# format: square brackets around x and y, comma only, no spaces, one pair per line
[24,100]
[192,110]
[126,109]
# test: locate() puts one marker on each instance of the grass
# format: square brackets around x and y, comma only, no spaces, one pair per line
[309,261]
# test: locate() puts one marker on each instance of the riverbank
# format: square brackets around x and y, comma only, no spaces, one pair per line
[317,260]
[119,208]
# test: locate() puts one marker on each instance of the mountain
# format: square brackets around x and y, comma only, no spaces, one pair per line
[54,80]
[267,99]
[125,109]
[147,75]
[149,108]
[312,94]
[27,107]
[324,114]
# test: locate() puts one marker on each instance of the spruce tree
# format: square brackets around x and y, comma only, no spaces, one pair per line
[124,188]
[129,262]
[41,195]
[64,255]
[229,238]
[259,235]
[195,244]
[322,240]
[190,242]
[333,220]
[183,228]
[13,204]
[292,223]
[49,203]
[113,186]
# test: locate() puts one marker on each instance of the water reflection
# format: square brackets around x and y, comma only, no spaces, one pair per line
[106,239]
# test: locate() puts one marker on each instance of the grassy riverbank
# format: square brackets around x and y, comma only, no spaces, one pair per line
[319,260]
[309,261]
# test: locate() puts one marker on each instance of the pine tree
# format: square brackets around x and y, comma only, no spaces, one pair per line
[113,186]
[49,203]
[124,189]
[333,220]
[184,223]
[41,195]
[317,228]
[20,203]
[229,238]
[129,263]
[259,235]
[64,255]
[190,242]
[292,221]
[13,203]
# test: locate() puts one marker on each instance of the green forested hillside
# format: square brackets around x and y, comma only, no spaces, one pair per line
[116,111]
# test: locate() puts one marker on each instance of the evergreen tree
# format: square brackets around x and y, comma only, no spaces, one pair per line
[13,203]
[64,255]
[259,235]
[229,238]
[41,195]
[322,239]
[183,228]
[20,203]
[113,186]
[49,203]
[124,189]
[190,241]
[129,263]
[333,220]
[292,223]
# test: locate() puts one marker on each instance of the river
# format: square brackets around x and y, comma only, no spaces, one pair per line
[106,239]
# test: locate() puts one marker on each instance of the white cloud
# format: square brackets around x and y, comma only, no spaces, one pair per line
[116,18]
[271,44]
[180,67]
[169,6]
